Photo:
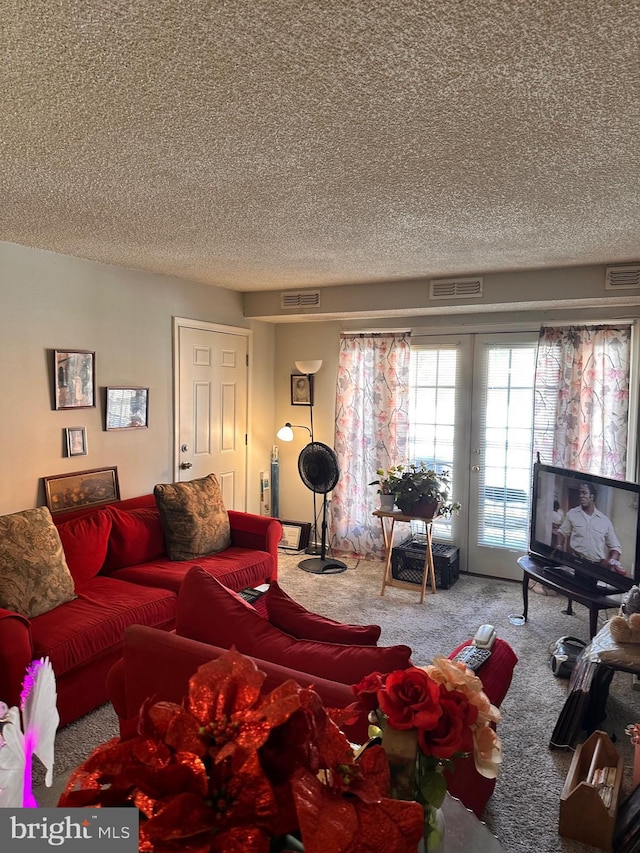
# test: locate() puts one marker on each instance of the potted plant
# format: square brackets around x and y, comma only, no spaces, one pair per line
[419,490]
[386,482]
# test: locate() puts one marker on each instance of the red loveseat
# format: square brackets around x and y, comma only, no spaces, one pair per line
[159,664]
[122,576]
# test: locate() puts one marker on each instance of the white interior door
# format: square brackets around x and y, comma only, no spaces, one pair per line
[211,407]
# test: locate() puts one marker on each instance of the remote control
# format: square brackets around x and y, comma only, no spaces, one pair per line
[473,657]
[251,594]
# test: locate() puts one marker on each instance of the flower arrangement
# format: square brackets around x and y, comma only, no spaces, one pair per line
[428,717]
[236,770]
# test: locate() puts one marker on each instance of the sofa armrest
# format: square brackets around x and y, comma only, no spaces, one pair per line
[497,672]
[260,532]
[159,664]
[16,653]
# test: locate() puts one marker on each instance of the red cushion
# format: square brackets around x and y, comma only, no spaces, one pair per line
[92,624]
[292,618]
[136,537]
[237,568]
[209,612]
[85,543]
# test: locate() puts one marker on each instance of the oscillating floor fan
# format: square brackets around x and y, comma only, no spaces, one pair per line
[319,471]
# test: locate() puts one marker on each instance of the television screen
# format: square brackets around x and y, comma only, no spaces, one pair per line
[586,523]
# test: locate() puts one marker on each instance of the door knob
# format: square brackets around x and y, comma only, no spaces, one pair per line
[185,465]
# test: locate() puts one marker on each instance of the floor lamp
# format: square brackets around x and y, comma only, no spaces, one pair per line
[285,433]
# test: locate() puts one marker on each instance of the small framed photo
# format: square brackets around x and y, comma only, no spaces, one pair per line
[127,408]
[301,389]
[65,492]
[76,441]
[74,379]
[295,535]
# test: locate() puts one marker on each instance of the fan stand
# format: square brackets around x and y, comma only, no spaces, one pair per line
[320,565]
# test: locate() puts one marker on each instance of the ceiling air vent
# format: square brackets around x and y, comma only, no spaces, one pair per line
[623,278]
[300,299]
[455,288]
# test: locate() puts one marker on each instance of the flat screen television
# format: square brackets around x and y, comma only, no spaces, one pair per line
[587,526]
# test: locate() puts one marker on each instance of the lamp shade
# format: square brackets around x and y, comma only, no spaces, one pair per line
[309,366]
[285,433]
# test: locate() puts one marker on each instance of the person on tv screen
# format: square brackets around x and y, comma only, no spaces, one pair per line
[589,533]
[557,518]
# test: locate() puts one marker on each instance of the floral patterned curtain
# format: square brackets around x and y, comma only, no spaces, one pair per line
[372,419]
[582,398]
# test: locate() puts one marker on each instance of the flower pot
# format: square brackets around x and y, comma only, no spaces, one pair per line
[423,508]
[387,502]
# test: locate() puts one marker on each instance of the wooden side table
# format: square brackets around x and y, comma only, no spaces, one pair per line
[387,536]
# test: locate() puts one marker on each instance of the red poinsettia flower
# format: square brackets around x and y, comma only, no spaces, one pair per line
[233,767]
[349,824]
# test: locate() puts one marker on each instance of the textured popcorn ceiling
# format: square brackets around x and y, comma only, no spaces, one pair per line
[272,144]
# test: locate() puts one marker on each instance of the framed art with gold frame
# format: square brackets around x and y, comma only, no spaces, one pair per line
[66,492]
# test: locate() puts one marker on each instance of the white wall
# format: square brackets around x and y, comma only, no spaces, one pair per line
[50,301]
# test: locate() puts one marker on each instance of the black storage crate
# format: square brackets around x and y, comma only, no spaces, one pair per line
[407,562]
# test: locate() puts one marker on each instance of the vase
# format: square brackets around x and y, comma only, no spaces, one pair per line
[433,839]
[387,502]
[401,747]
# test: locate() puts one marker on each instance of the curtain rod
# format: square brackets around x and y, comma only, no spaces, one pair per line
[376,332]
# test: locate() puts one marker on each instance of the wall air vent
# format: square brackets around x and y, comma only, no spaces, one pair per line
[455,288]
[623,278]
[300,299]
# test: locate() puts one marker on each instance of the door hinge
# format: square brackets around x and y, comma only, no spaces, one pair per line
[246,358]
[246,439]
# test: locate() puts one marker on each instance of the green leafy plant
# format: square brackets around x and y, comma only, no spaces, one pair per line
[414,482]
[387,479]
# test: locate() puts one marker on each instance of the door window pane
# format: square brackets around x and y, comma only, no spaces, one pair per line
[432,414]
[506,447]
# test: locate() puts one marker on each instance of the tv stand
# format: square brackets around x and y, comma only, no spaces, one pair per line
[594,597]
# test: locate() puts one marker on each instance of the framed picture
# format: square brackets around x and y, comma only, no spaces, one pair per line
[295,535]
[74,379]
[301,389]
[127,408]
[66,492]
[76,441]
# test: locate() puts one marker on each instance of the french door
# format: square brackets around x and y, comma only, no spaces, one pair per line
[472,413]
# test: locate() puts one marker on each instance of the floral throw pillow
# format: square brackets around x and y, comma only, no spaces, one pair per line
[194,518]
[34,576]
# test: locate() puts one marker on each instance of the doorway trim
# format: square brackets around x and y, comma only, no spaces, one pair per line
[185,323]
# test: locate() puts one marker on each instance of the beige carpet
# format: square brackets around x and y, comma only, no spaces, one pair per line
[523,812]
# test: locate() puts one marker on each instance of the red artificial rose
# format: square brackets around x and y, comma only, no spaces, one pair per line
[367,690]
[410,699]
[452,733]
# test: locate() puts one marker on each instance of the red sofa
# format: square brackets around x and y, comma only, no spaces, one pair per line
[122,576]
[159,664]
